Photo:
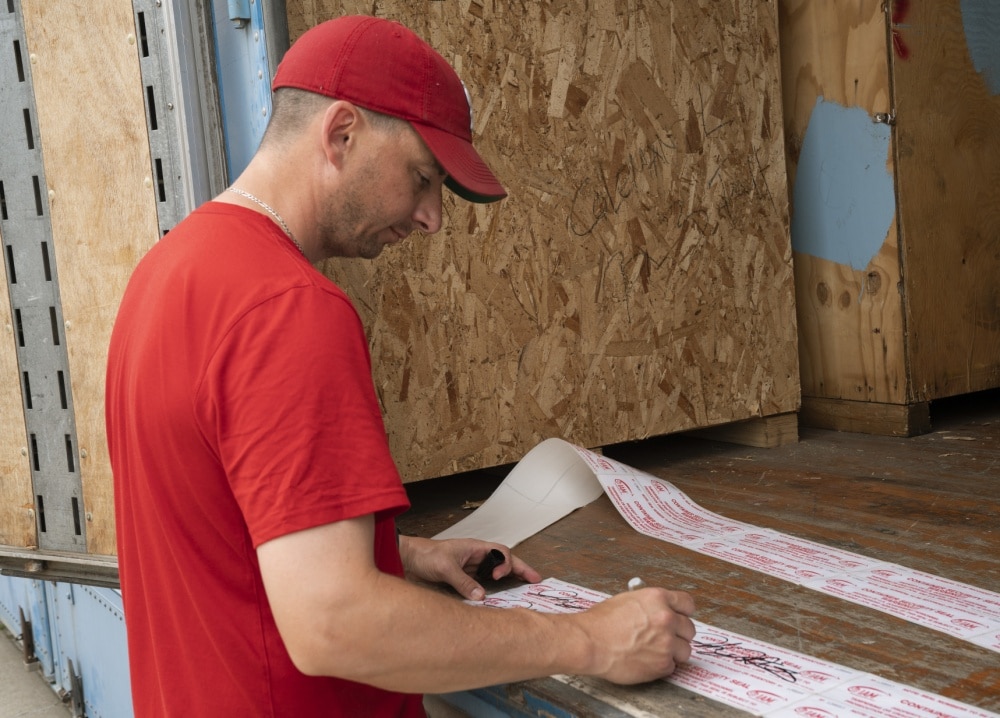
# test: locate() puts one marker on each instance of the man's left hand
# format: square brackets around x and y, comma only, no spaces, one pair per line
[454,561]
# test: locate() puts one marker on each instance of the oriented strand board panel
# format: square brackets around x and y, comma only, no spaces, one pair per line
[17,523]
[638,280]
[835,78]
[88,94]
[947,83]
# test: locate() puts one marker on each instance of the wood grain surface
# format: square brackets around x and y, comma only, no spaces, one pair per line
[922,320]
[948,168]
[851,334]
[931,503]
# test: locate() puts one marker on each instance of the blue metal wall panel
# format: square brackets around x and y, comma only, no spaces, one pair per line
[82,624]
[37,612]
[101,654]
[10,599]
[59,621]
[31,597]
[244,84]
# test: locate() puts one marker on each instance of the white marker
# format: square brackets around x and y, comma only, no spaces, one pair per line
[634,584]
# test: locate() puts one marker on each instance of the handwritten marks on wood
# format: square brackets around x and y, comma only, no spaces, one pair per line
[638,279]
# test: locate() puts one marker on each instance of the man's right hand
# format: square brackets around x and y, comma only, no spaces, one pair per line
[643,634]
[331,604]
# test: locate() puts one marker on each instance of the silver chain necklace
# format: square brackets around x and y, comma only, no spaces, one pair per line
[267,208]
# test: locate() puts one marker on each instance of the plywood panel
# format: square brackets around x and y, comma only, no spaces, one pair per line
[17,522]
[88,94]
[939,334]
[851,335]
[638,279]
[849,310]
[947,83]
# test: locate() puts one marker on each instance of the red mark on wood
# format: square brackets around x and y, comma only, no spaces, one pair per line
[899,45]
[900,9]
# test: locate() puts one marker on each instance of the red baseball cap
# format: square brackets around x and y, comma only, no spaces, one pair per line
[384,67]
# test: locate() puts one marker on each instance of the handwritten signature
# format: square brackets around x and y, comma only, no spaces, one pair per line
[738,653]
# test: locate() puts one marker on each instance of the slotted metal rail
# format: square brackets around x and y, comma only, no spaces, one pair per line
[32,282]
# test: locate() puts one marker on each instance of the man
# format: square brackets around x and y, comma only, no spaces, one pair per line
[254,489]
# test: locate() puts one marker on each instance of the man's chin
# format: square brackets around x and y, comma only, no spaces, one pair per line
[371,252]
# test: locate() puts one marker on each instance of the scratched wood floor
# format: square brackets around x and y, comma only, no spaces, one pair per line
[930,502]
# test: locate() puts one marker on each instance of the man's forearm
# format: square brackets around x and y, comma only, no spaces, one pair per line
[407,638]
[340,616]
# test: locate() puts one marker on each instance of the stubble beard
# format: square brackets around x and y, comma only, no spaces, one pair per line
[340,239]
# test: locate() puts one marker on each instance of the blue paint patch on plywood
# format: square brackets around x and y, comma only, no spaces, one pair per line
[981,20]
[843,197]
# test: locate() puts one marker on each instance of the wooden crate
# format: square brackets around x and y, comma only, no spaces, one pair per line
[896,228]
[638,279]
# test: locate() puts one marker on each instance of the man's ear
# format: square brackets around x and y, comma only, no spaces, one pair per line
[339,124]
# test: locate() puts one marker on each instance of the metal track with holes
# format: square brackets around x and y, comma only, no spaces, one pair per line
[32,280]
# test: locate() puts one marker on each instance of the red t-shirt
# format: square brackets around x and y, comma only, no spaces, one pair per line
[240,408]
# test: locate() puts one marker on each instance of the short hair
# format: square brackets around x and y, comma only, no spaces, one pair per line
[292,109]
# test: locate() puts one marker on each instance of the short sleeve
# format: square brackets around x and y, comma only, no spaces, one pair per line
[288,400]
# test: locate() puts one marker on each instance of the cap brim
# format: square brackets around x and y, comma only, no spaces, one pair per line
[468,175]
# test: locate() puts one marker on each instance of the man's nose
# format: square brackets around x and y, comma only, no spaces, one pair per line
[428,213]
